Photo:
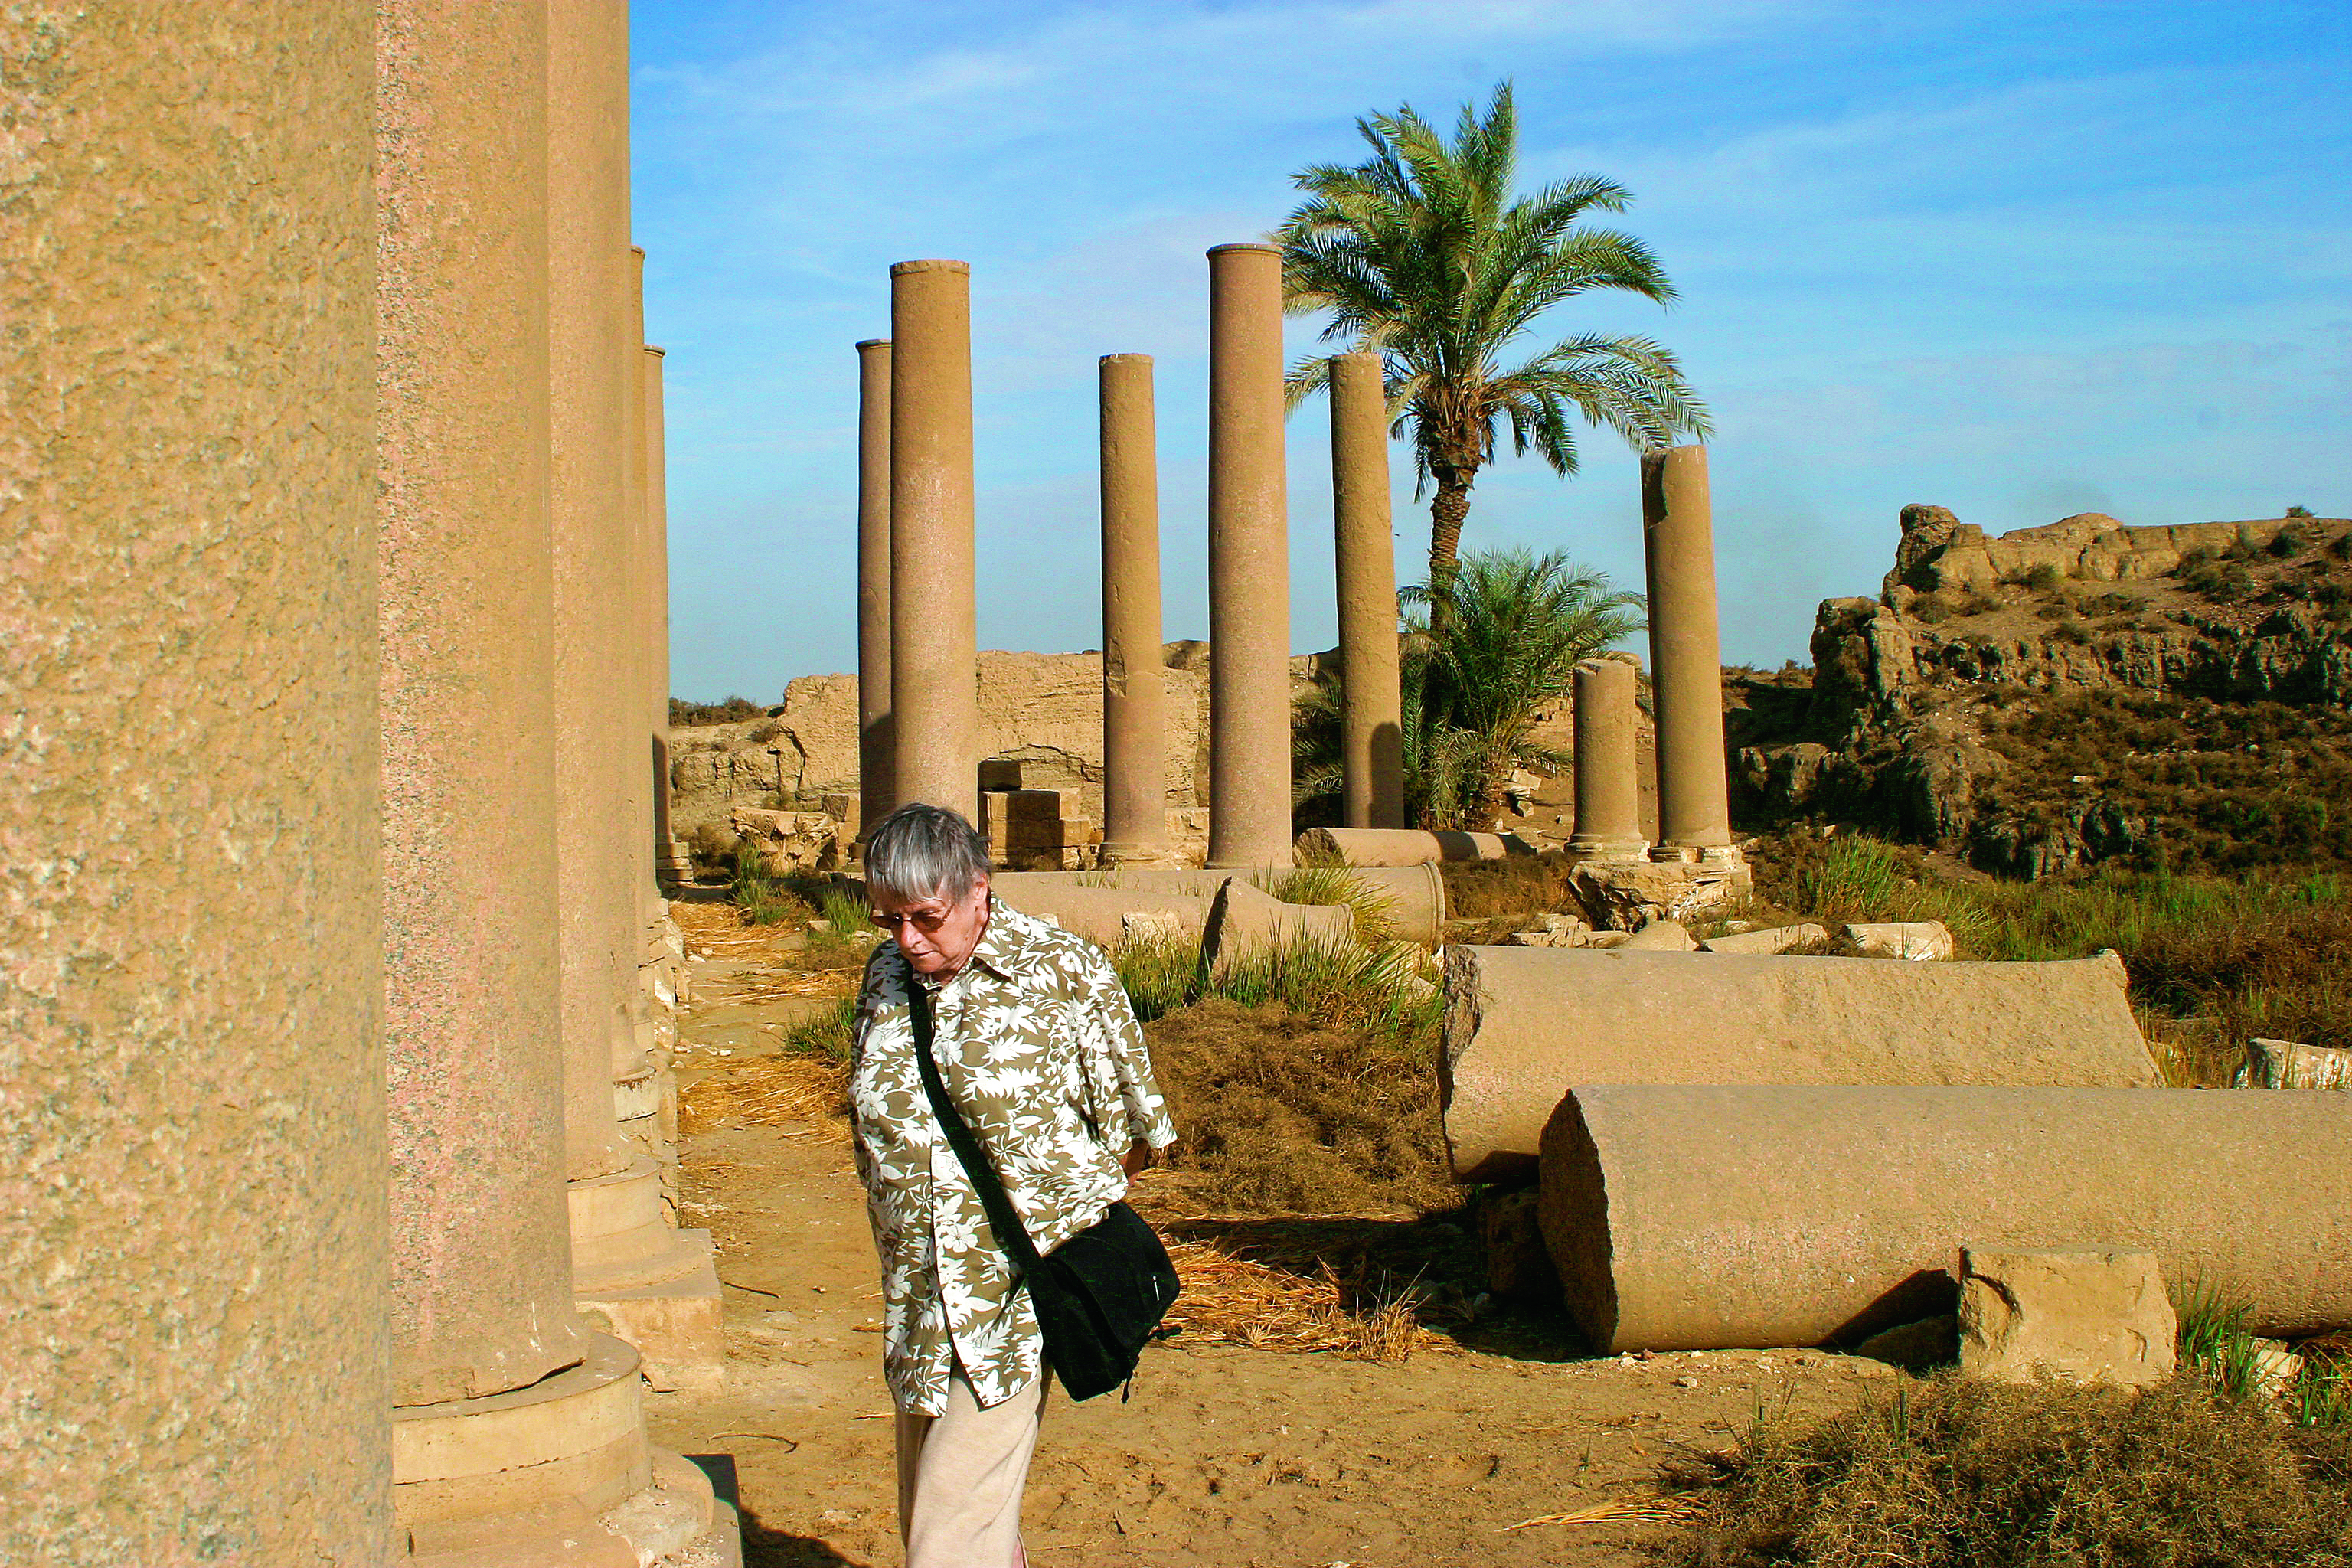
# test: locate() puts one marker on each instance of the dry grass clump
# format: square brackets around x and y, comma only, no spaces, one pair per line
[1239,1300]
[1280,1113]
[1514,885]
[1965,1474]
[771,1091]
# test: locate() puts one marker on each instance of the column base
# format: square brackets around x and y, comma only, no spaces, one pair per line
[1111,854]
[574,1440]
[676,1324]
[1584,848]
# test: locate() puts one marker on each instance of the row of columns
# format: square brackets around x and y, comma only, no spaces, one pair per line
[346,968]
[1686,689]
[917,652]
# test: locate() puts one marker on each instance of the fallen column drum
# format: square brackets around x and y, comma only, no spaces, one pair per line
[1107,916]
[1691,1217]
[1414,895]
[1376,847]
[1525,1025]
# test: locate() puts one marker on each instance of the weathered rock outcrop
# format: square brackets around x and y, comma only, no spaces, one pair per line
[2072,693]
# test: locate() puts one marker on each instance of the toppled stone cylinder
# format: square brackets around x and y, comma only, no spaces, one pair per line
[1412,898]
[1106,916]
[1524,1025]
[1687,1218]
[1404,846]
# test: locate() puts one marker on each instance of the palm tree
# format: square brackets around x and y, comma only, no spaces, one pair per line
[1476,684]
[1420,254]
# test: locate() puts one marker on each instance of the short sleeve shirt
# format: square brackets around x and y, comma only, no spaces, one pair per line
[1040,1053]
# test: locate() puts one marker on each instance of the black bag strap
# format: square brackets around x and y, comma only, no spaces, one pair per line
[1001,1218]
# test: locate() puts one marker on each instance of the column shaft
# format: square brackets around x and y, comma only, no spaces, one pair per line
[1371,714]
[191,1125]
[1135,812]
[876,765]
[590,340]
[671,860]
[1249,562]
[934,634]
[481,1257]
[639,743]
[1608,789]
[1686,662]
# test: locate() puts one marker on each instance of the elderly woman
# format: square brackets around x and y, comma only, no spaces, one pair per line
[1040,1053]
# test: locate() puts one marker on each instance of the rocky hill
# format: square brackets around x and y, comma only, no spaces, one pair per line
[2080,693]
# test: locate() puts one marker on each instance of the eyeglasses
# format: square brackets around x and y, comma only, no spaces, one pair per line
[928,922]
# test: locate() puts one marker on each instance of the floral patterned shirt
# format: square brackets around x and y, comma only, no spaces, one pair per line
[1040,1051]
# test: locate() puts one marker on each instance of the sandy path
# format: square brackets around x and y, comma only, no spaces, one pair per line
[1226,1455]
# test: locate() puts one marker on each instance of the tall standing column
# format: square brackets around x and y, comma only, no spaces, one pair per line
[934,632]
[1685,661]
[1135,785]
[1372,711]
[192,1135]
[1249,562]
[495,1375]
[671,863]
[591,338]
[638,743]
[876,764]
[1608,788]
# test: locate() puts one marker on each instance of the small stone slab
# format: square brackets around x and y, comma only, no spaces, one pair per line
[1659,936]
[2071,1315]
[2290,1064]
[1778,938]
[1924,939]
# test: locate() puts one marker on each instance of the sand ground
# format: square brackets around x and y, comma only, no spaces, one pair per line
[1225,1454]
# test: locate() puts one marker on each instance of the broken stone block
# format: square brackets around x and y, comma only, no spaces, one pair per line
[1003,775]
[2075,1317]
[2289,1064]
[1901,939]
[1778,938]
[1517,1266]
[1660,936]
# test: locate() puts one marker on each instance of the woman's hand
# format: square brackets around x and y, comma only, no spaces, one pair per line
[1138,1156]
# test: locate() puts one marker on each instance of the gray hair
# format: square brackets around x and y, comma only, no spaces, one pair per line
[922,851]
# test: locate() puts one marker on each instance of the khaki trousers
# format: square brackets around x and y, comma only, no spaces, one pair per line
[960,1476]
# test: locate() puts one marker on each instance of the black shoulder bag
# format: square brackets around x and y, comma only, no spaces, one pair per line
[1099,1295]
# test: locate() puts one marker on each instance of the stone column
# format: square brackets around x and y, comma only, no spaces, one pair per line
[1371,715]
[1249,562]
[672,863]
[192,1132]
[934,637]
[496,1376]
[1685,664]
[875,764]
[590,340]
[640,742]
[1608,788]
[1134,788]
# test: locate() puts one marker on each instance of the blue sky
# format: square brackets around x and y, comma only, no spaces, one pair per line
[2018,260]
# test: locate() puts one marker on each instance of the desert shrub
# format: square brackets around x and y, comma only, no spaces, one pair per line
[2298,511]
[1956,1473]
[2240,549]
[2225,582]
[761,895]
[2071,630]
[733,710]
[1334,885]
[2340,546]
[2288,541]
[2042,577]
[1284,1113]
[2056,610]
[1933,609]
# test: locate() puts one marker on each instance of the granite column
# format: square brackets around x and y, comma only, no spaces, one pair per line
[934,636]
[1135,813]
[875,764]
[672,863]
[1686,662]
[1371,717]
[193,1214]
[1249,562]
[1608,790]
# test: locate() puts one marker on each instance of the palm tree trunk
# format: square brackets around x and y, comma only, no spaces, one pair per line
[1447,512]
